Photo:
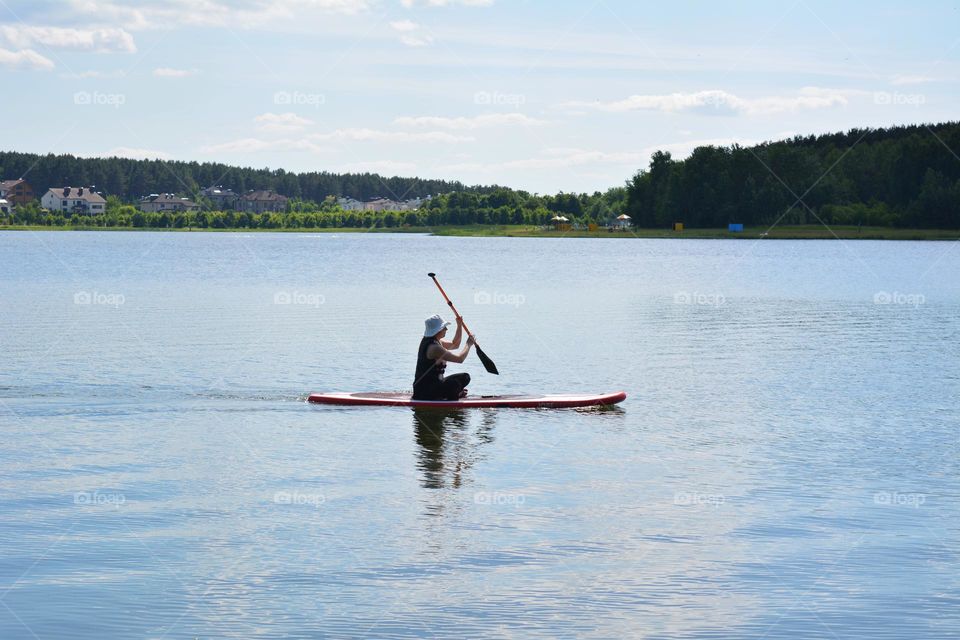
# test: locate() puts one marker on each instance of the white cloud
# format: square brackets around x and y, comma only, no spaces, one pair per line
[217,13]
[254,145]
[404,25]
[901,79]
[409,36]
[167,72]
[368,135]
[108,40]
[475,122]
[286,122]
[281,122]
[136,153]
[386,167]
[27,59]
[416,41]
[444,3]
[722,102]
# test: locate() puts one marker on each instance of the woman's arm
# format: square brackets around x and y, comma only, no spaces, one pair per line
[453,344]
[439,353]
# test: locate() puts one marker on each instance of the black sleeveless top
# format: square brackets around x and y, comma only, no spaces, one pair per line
[429,375]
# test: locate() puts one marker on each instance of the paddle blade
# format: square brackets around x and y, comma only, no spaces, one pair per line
[487,362]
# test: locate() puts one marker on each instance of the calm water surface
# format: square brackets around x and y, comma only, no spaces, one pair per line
[786,464]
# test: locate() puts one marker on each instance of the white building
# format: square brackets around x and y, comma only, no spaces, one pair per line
[349,204]
[73,200]
[380,204]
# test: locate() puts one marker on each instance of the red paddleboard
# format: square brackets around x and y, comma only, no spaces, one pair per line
[382,399]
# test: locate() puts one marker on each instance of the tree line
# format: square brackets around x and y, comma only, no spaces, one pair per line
[499,207]
[131,179]
[905,176]
[900,176]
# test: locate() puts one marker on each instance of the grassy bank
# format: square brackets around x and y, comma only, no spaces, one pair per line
[793,232]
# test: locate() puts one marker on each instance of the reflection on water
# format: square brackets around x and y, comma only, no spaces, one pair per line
[449,446]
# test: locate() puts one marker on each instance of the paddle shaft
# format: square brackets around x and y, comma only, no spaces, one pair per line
[450,303]
[488,364]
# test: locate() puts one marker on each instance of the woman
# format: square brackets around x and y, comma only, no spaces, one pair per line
[432,358]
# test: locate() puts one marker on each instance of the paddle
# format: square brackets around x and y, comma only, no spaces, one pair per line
[484,358]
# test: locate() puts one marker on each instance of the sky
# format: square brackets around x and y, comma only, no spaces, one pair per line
[545,96]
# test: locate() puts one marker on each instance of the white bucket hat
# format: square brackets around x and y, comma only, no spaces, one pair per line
[434,325]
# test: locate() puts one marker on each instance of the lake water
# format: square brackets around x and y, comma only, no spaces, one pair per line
[786,464]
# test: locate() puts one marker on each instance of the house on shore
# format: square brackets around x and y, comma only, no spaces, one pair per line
[16,192]
[350,204]
[159,202]
[386,204]
[73,200]
[262,201]
[379,204]
[221,197]
[413,204]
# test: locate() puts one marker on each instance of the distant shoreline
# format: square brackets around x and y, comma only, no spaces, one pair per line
[785,232]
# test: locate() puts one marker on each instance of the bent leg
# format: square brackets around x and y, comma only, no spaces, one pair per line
[453,385]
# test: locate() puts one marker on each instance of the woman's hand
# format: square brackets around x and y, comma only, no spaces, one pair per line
[449,356]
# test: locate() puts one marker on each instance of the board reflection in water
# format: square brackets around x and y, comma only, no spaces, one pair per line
[450,443]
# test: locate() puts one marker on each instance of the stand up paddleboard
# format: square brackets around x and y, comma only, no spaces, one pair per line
[380,399]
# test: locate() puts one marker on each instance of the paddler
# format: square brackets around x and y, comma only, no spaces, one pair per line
[434,353]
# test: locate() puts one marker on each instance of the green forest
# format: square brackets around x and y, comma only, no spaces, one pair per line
[130,179]
[895,177]
[905,176]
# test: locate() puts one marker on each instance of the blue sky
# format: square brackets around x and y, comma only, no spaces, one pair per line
[543,96]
